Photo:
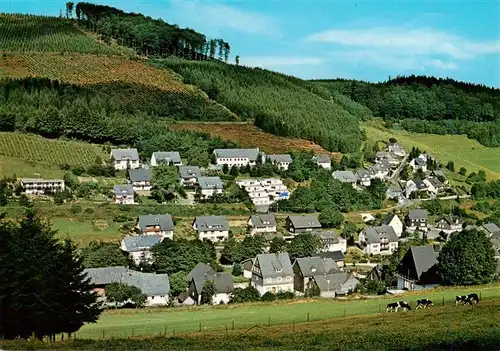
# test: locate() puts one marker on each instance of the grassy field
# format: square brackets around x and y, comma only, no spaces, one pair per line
[247,135]
[53,152]
[185,320]
[462,151]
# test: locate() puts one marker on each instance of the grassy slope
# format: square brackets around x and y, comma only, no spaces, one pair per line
[457,148]
[153,321]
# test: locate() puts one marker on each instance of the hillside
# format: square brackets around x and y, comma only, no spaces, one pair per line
[278,104]
[429,105]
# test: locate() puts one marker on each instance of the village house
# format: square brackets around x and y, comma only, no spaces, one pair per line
[448,224]
[213,228]
[260,224]
[392,220]
[394,192]
[281,161]
[140,179]
[418,268]
[380,170]
[419,163]
[168,157]
[433,185]
[155,286]
[439,174]
[124,159]
[159,224]
[237,157]
[305,268]
[417,219]
[323,161]
[247,267]
[345,177]
[202,273]
[380,240]
[388,157]
[209,186]
[272,272]
[264,191]
[301,224]
[189,175]
[124,194]
[332,241]
[337,256]
[495,242]
[415,186]
[396,149]
[139,247]
[364,177]
[490,229]
[36,186]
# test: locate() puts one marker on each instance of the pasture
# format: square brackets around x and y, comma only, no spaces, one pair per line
[125,323]
[36,150]
[464,152]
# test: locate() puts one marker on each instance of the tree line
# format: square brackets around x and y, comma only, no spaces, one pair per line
[148,36]
[430,105]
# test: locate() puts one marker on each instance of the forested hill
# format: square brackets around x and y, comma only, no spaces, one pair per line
[429,105]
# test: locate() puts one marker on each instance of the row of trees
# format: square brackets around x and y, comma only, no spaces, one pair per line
[430,105]
[147,36]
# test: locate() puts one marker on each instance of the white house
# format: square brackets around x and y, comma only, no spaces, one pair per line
[364,177]
[419,163]
[140,179]
[449,224]
[36,186]
[155,286]
[159,224]
[380,170]
[260,224]
[323,161]
[345,177]
[247,267]
[223,283]
[210,186]
[396,149]
[236,157]
[281,161]
[189,175]
[168,157]
[272,272]
[124,159]
[139,246]
[214,228]
[331,241]
[392,220]
[380,240]
[415,185]
[264,191]
[124,194]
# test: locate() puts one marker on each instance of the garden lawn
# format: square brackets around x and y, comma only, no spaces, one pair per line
[124,323]
[10,166]
[464,152]
[83,231]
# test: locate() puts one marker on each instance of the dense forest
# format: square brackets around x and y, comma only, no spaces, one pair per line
[53,110]
[278,104]
[429,105]
[147,36]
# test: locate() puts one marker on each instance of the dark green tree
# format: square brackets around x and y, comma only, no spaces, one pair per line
[450,166]
[177,283]
[43,288]
[165,183]
[331,218]
[277,245]
[468,258]
[103,254]
[3,197]
[304,245]
[208,292]
[237,270]
[121,293]
[462,171]
[25,201]
[248,294]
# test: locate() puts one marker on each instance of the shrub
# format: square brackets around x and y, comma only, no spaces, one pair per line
[89,210]
[268,296]
[75,209]
[285,295]
[78,170]
[121,218]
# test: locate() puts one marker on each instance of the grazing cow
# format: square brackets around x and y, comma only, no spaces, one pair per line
[424,303]
[472,299]
[395,306]
[460,299]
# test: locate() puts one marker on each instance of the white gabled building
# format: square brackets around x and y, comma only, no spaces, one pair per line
[124,194]
[380,240]
[282,161]
[261,224]
[323,161]
[168,157]
[213,228]
[264,191]
[210,186]
[272,273]
[236,157]
[37,186]
[124,159]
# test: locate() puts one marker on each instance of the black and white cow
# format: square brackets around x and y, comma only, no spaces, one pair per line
[472,299]
[395,306]
[460,299]
[424,303]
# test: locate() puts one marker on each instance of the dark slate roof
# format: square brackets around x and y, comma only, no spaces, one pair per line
[390,216]
[435,182]
[149,283]
[165,221]
[491,228]
[206,223]
[251,154]
[167,156]
[310,266]
[140,175]
[263,221]
[420,162]
[140,242]
[334,255]
[321,158]
[304,222]
[275,265]
[210,182]
[363,173]
[417,213]
[203,272]
[345,176]
[332,281]
[451,220]
[419,183]
[328,235]
[394,188]
[199,270]
[123,189]
[125,154]
[374,234]
[424,257]
[187,172]
[280,158]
